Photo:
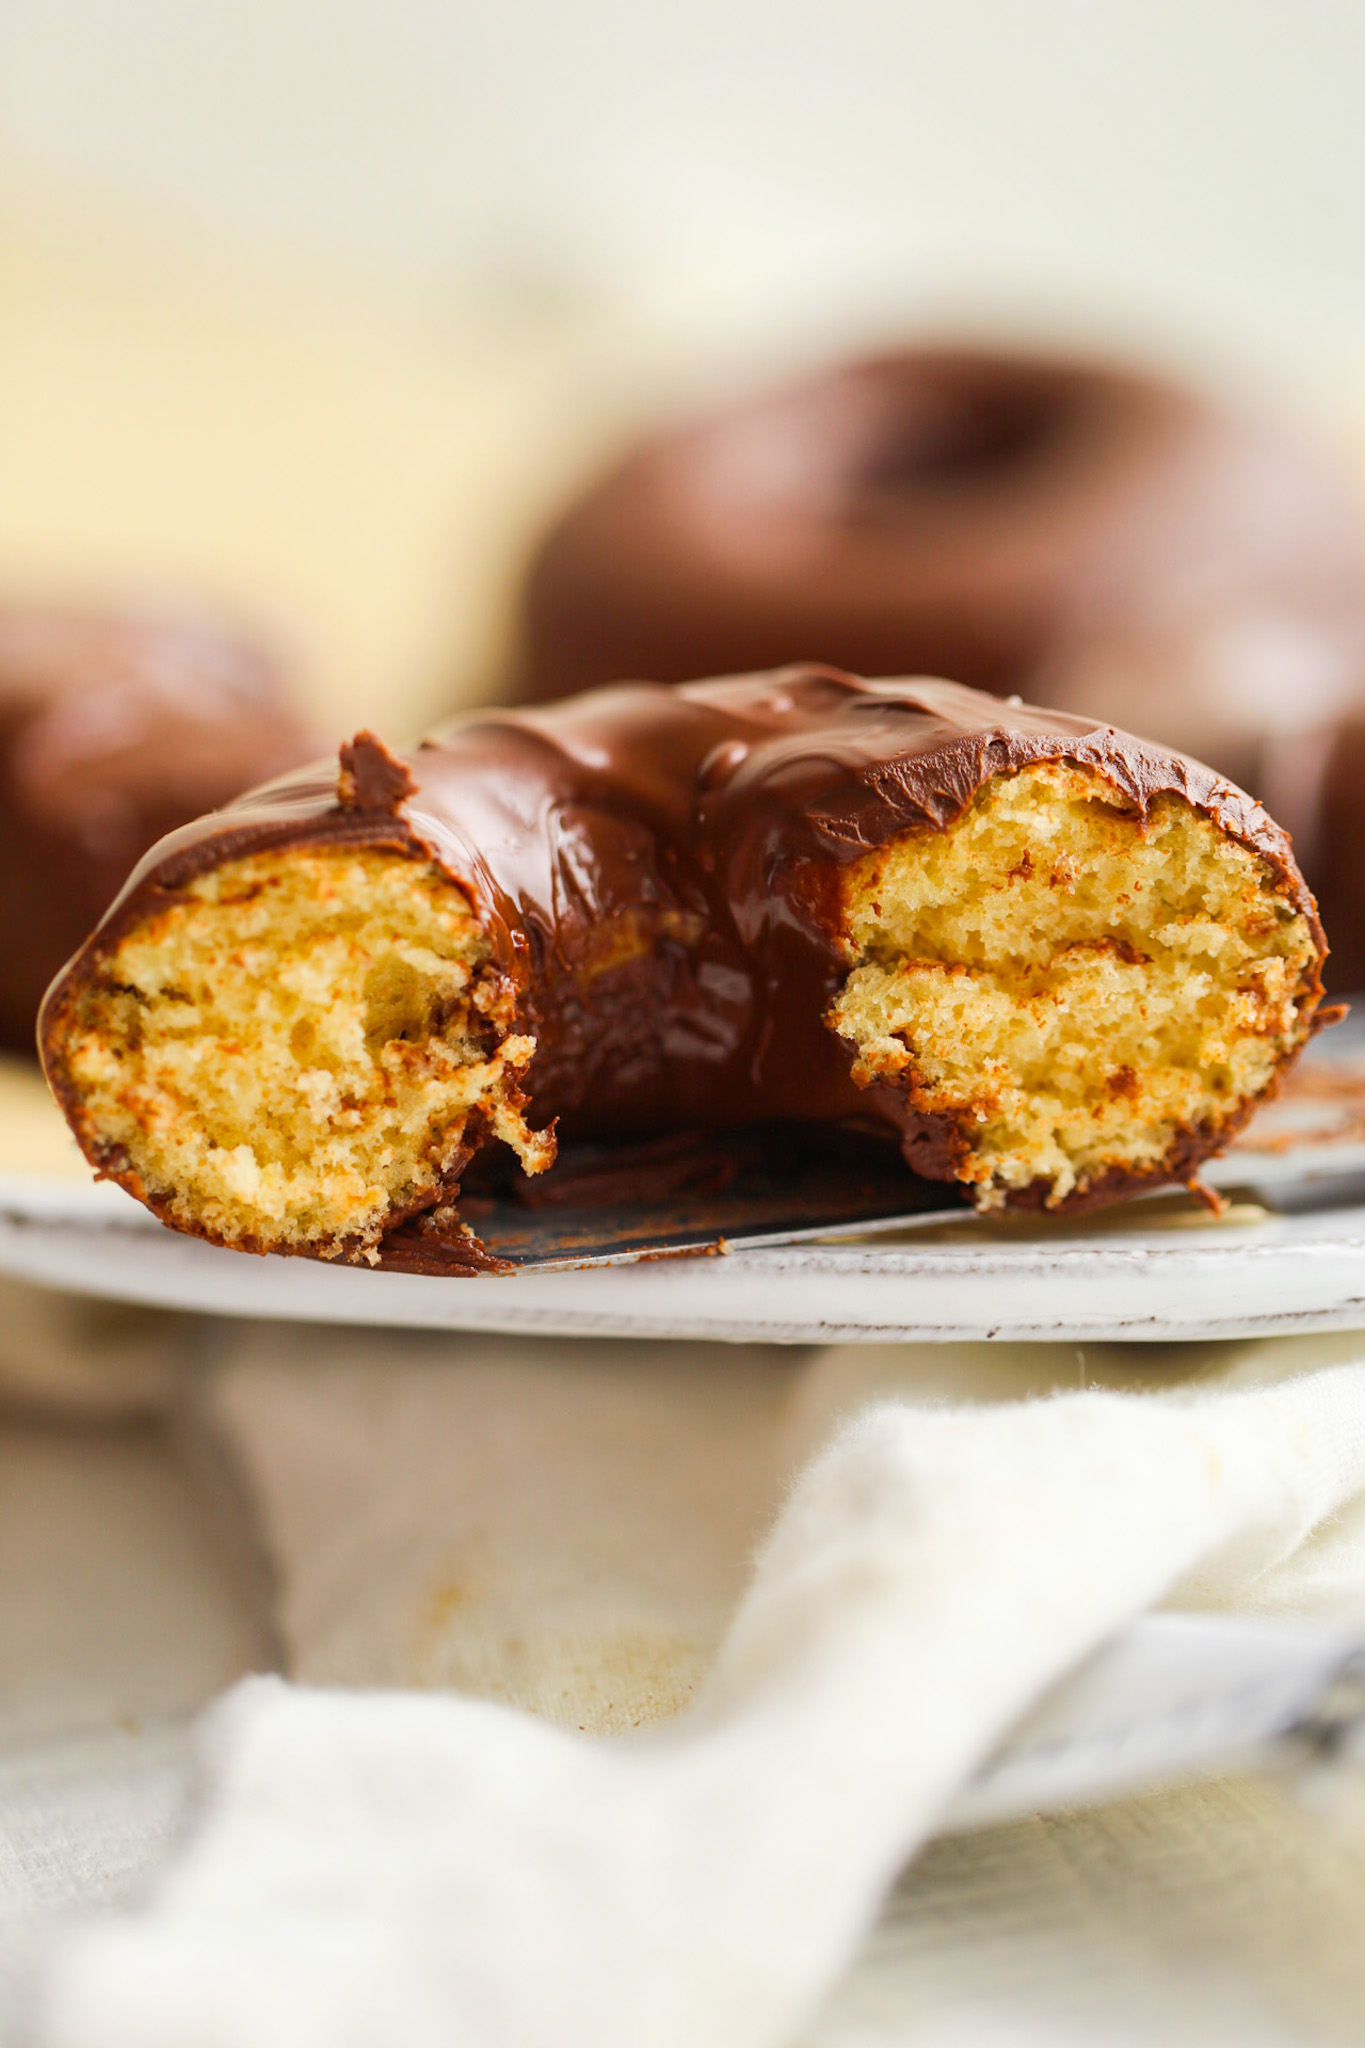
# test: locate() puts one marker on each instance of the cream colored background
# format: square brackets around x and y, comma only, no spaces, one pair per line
[1186,162]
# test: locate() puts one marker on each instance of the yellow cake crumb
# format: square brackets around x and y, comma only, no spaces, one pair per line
[1068,984]
[289,1053]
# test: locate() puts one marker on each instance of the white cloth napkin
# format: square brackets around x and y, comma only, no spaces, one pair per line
[565,1526]
[397,1868]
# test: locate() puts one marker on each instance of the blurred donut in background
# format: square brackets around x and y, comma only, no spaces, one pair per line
[1087,536]
[115,728]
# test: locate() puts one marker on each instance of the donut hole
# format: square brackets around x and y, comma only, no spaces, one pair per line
[944,439]
[874,443]
[298,1049]
[1064,988]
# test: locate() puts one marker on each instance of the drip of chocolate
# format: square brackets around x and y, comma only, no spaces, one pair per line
[371,778]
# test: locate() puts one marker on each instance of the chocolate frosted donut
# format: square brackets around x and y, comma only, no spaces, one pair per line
[1054,961]
[1097,540]
[114,729]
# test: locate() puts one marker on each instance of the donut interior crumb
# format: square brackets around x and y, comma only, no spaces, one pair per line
[1070,985]
[289,1052]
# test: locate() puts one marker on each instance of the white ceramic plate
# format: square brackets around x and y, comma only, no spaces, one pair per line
[1149,1272]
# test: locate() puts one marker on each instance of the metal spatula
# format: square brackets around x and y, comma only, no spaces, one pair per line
[773,1185]
[1174,1698]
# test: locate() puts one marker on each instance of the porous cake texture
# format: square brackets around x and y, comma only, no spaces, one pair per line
[1070,984]
[301,1048]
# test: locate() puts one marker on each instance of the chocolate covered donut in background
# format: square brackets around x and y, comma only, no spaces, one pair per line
[1091,538]
[115,727]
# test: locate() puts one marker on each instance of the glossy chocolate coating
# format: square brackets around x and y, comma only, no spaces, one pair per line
[657,870]
[114,729]
[1094,539]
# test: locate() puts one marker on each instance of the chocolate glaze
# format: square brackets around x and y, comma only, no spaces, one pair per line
[1093,538]
[113,730]
[656,870]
